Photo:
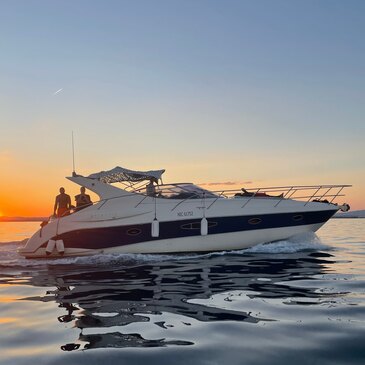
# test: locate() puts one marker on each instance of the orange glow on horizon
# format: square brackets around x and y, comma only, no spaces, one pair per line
[7,300]
[36,200]
[33,194]
[8,320]
[35,203]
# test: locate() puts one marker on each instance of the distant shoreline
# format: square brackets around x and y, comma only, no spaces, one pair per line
[352,217]
[350,214]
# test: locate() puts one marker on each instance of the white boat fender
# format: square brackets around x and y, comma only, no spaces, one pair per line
[344,207]
[60,247]
[155,228]
[204,227]
[50,246]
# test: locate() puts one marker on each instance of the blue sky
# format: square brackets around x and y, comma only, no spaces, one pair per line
[212,90]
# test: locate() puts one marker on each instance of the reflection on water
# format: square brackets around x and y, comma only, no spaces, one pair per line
[17,231]
[106,301]
[299,299]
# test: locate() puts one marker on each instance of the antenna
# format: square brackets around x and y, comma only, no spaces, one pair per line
[73,155]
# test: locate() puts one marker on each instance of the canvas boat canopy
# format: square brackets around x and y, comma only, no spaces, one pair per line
[119,174]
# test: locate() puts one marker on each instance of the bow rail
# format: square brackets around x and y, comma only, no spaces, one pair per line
[184,193]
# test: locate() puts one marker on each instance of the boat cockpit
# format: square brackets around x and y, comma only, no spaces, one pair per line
[177,191]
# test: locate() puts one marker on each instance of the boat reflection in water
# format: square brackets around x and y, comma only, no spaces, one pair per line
[97,299]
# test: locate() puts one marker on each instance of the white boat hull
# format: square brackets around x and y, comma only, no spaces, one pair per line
[216,242]
[210,243]
[135,223]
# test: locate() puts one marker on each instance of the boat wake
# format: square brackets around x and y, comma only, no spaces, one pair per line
[9,256]
[302,242]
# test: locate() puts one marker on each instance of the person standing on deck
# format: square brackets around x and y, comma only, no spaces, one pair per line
[62,204]
[150,187]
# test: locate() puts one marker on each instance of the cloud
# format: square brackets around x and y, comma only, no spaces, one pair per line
[226,183]
[58,91]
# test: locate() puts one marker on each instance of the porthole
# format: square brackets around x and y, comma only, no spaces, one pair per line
[196,225]
[254,221]
[134,232]
[297,217]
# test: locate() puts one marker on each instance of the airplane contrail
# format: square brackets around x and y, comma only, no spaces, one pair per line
[58,91]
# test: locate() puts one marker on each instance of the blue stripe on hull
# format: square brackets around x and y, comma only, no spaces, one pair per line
[101,238]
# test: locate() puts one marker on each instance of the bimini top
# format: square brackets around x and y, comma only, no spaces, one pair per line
[119,174]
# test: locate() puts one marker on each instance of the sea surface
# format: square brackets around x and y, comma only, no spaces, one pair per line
[300,301]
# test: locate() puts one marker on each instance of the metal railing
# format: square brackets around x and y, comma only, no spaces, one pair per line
[320,193]
[308,193]
[305,193]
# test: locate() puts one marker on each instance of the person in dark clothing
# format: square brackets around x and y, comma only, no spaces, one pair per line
[82,200]
[62,204]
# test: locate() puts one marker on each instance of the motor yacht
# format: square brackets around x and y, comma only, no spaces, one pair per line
[138,213]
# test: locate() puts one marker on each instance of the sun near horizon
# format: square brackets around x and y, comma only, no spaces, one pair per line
[213,91]
[36,199]
[35,195]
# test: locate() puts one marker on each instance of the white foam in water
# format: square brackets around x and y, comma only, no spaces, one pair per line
[303,242]
[3,245]
[112,259]
[10,257]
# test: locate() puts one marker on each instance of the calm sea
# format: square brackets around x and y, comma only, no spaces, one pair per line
[300,301]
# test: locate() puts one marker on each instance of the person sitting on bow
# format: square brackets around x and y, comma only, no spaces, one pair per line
[82,200]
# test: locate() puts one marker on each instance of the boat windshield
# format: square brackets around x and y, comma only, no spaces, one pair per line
[180,191]
[183,191]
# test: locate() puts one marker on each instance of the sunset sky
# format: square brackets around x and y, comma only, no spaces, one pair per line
[259,93]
